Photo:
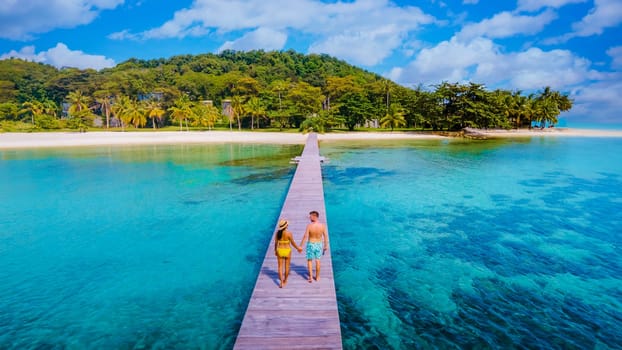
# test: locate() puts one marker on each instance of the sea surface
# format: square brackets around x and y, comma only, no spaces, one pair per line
[444,244]
[151,247]
[458,244]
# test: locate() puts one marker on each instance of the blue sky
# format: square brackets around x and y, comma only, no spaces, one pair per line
[571,45]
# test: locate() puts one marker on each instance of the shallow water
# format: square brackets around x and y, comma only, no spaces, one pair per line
[134,247]
[496,244]
[436,244]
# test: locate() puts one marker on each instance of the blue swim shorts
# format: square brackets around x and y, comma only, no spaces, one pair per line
[314,250]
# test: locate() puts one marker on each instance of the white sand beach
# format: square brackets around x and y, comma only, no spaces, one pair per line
[497,133]
[100,138]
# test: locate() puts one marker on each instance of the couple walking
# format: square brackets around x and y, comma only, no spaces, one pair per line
[317,244]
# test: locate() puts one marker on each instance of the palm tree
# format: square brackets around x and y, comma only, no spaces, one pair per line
[212,115]
[237,106]
[136,114]
[182,111]
[50,108]
[394,117]
[255,108]
[105,106]
[77,102]
[154,110]
[120,109]
[32,108]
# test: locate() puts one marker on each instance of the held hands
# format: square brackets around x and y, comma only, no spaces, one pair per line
[299,250]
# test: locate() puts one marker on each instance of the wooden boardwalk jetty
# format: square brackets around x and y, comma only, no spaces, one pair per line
[301,315]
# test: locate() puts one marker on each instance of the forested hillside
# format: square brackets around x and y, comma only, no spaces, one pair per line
[251,90]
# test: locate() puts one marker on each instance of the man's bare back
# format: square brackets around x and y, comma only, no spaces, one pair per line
[316,231]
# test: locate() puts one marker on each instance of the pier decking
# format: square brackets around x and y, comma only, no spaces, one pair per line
[301,315]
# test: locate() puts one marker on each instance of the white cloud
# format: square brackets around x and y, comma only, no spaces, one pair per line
[61,56]
[449,60]
[480,60]
[262,38]
[535,5]
[507,24]
[122,35]
[605,14]
[362,47]
[20,19]
[338,27]
[616,55]
[469,2]
[598,102]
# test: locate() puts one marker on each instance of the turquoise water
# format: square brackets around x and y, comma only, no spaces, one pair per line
[495,244]
[594,126]
[436,244]
[134,248]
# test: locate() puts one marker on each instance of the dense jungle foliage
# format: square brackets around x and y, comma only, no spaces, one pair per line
[255,89]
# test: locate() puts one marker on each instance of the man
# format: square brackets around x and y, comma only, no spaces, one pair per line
[315,233]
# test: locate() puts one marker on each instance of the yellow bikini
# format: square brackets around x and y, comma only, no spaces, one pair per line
[283,252]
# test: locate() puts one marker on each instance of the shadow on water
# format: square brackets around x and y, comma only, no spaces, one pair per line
[343,176]
[265,175]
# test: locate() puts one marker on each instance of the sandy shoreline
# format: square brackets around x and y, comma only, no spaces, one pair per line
[498,133]
[101,138]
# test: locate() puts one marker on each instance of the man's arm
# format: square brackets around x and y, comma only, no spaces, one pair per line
[325,237]
[305,236]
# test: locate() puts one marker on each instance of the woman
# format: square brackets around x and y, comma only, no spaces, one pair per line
[282,241]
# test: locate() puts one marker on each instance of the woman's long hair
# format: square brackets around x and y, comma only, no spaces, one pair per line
[279,234]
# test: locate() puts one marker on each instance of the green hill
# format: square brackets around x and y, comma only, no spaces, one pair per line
[254,89]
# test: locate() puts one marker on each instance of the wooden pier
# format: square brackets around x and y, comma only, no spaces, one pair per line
[301,315]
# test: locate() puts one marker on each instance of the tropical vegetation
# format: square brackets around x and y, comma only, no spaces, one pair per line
[254,90]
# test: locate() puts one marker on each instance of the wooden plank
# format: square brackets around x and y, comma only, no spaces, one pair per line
[301,315]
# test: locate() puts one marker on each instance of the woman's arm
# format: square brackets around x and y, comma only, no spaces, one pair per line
[293,242]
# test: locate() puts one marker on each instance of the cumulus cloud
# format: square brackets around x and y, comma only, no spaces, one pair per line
[262,38]
[379,25]
[616,56]
[605,14]
[480,60]
[535,5]
[20,19]
[361,47]
[598,102]
[507,24]
[61,56]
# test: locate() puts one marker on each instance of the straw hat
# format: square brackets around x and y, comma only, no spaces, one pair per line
[283,224]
